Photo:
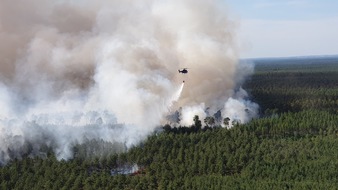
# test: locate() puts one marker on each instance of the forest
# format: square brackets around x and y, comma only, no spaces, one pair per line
[292,145]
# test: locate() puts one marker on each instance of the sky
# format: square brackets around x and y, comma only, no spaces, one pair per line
[283,28]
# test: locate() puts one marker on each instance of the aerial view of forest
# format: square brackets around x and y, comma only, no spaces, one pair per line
[292,145]
[168,94]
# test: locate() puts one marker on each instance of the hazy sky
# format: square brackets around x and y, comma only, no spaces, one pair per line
[278,28]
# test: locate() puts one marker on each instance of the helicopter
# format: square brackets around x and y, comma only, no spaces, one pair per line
[183,71]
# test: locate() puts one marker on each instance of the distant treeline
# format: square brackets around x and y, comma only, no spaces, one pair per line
[302,84]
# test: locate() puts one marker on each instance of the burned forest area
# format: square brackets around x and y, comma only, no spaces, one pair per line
[293,144]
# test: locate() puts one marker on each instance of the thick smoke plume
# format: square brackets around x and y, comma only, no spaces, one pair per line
[74,70]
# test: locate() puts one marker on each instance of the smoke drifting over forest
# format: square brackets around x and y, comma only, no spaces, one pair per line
[72,71]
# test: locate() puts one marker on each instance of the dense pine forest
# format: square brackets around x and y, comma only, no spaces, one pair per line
[292,145]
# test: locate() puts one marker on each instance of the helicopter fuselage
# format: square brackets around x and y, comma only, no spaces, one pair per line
[184,71]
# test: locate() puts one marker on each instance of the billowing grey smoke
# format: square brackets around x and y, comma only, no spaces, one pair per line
[73,70]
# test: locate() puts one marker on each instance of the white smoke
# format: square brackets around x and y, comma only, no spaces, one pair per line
[188,113]
[236,106]
[239,109]
[76,70]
